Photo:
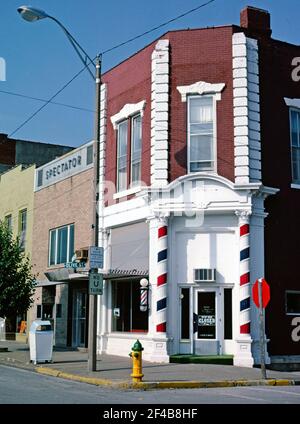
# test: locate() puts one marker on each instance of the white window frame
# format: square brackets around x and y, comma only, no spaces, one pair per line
[56,243]
[135,183]
[125,121]
[215,155]
[295,183]
[291,292]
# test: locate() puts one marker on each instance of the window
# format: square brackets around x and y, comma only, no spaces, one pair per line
[136,149]
[295,141]
[185,313]
[227,314]
[126,301]
[61,245]
[22,227]
[40,178]
[201,134]
[58,310]
[292,302]
[122,156]
[89,155]
[8,222]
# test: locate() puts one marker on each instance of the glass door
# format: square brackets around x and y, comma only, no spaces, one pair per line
[205,322]
[79,318]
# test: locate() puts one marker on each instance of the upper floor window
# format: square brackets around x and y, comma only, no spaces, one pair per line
[201,146]
[122,156]
[8,221]
[136,149]
[129,154]
[295,141]
[61,245]
[22,227]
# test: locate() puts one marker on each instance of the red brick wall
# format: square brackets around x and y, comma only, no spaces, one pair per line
[194,55]
[129,82]
[201,55]
[7,150]
[282,238]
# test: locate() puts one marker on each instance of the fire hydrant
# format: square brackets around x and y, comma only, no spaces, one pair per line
[136,356]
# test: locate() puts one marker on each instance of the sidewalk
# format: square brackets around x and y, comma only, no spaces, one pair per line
[115,371]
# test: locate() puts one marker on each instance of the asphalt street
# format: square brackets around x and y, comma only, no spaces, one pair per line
[26,387]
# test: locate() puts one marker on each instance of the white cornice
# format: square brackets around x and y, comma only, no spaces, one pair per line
[128,110]
[292,102]
[200,87]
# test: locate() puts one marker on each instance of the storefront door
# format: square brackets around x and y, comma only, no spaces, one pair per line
[206,322]
[79,318]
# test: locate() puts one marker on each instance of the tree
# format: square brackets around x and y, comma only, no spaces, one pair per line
[17,282]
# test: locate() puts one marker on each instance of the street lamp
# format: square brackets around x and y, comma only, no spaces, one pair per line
[32,14]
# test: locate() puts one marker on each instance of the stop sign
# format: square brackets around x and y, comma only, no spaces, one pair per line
[265,289]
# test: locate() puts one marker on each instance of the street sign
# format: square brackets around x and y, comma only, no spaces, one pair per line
[265,293]
[96,255]
[261,297]
[75,265]
[95,283]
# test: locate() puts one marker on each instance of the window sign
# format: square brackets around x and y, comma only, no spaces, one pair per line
[206,315]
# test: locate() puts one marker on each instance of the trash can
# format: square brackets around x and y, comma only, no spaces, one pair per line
[2,328]
[41,341]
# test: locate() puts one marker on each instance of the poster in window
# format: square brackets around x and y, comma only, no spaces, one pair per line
[206,316]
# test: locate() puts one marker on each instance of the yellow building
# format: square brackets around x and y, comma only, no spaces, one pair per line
[16,208]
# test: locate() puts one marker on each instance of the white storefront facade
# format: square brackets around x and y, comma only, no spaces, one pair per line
[197,303]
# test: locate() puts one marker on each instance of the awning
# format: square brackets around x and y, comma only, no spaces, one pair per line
[130,249]
[116,274]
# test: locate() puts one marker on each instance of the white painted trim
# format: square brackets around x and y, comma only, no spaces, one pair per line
[246,109]
[215,153]
[292,102]
[296,186]
[128,192]
[128,110]
[160,114]
[200,87]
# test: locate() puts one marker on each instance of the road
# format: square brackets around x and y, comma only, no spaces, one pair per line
[26,387]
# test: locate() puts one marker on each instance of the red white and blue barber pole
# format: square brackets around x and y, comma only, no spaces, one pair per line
[144,299]
[162,278]
[245,290]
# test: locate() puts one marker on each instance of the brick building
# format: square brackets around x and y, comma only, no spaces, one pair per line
[63,198]
[23,152]
[198,195]
[199,186]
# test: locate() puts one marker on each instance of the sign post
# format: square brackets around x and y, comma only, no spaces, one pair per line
[261,297]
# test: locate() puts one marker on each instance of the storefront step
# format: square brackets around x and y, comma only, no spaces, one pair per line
[201,359]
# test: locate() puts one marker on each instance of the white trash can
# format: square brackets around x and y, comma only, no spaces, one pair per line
[41,341]
[2,328]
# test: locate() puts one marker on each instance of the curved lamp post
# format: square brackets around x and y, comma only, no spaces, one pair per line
[32,14]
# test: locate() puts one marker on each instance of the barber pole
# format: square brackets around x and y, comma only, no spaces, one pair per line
[144,299]
[162,259]
[245,279]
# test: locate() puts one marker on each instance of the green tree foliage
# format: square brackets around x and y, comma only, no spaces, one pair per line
[16,279]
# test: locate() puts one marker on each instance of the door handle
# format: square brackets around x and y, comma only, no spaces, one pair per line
[195,322]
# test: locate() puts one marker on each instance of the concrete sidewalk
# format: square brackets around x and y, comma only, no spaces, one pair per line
[115,371]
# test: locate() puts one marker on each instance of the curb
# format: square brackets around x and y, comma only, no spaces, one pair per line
[164,384]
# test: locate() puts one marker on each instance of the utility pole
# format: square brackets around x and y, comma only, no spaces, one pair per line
[92,337]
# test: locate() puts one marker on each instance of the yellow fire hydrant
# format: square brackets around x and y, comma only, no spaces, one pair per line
[136,356]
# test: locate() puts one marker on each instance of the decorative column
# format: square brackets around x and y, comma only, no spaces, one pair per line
[162,277]
[243,356]
[158,290]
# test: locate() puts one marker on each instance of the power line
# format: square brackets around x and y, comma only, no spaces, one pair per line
[11,93]
[158,26]
[107,51]
[50,100]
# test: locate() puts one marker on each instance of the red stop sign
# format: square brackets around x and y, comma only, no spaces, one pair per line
[265,289]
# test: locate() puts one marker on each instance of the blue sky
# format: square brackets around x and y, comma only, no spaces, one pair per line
[40,60]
